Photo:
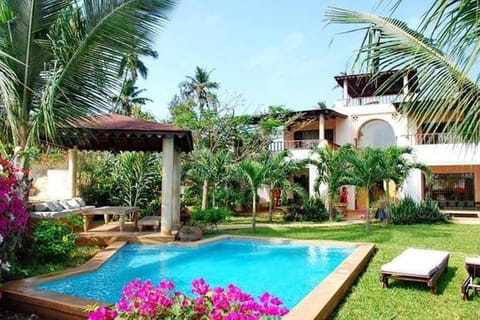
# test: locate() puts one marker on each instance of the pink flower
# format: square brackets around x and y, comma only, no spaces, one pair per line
[141,300]
[199,286]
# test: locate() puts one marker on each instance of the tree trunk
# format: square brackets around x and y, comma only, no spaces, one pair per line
[270,205]
[204,194]
[367,215]
[254,212]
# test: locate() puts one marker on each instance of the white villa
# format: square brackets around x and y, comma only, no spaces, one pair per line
[365,119]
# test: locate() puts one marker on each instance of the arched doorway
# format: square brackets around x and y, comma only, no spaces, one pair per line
[375,133]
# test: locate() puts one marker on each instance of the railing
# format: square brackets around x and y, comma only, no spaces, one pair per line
[297,145]
[362,101]
[432,138]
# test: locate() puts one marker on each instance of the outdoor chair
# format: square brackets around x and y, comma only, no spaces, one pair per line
[418,265]
[473,268]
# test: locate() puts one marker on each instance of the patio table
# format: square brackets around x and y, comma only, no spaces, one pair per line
[111,210]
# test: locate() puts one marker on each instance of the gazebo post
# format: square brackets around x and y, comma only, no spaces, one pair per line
[72,170]
[176,186]
[168,173]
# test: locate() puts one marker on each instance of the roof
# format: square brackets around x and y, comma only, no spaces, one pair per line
[314,113]
[369,84]
[117,132]
[306,115]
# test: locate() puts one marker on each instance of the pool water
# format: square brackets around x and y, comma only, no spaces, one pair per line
[286,270]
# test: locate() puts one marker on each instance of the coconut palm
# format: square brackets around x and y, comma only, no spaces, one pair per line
[447,68]
[129,97]
[59,59]
[200,88]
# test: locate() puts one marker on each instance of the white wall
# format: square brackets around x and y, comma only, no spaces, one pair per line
[58,185]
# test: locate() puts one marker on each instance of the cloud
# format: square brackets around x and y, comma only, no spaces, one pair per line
[281,51]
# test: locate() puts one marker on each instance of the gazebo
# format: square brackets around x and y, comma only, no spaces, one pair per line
[115,132]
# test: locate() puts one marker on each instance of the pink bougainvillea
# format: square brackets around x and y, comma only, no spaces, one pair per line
[13,214]
[143,300]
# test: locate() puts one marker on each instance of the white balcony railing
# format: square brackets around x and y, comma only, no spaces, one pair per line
[432,138]
[298,145]
[362,101]
[293,145]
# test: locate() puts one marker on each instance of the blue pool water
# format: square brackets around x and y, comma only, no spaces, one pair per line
[288,271]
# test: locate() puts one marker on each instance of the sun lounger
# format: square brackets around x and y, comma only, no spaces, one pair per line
[418,265]
[473,268]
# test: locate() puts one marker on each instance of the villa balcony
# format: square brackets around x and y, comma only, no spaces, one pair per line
[432,138]
[362,101]
[297,145]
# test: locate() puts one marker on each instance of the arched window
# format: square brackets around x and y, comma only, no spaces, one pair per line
[376,133]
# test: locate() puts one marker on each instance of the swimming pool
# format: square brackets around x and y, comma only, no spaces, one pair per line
[287,270]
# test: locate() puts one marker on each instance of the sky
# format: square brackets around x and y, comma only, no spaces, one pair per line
[261,52]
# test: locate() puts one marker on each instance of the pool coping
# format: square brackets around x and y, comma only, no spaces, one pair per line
[318,304]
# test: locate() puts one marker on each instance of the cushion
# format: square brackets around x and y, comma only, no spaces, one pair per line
[473,260]
[72,203]
[417,262]
[80,202]
[64,204]
[53,206]
[40,207]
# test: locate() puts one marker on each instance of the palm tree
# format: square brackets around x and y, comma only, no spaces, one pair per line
[447,68]
[330,166]
[59,59]
[129,98]
[363,168]
[399,166]
[200,88]
[130,68]
[278,171]
[255,174]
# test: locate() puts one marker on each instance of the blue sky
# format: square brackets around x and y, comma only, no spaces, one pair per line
[262,52]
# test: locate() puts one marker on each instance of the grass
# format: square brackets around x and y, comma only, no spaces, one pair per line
[402,300]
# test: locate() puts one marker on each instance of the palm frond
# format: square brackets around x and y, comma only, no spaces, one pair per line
[446,92]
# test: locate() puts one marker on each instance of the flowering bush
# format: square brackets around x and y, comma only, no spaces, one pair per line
[13,214]
[142,300]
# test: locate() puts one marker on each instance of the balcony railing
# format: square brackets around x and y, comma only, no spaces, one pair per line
[432,138]
[362,101]
[297,145]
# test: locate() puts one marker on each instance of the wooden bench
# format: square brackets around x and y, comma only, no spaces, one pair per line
[153,221]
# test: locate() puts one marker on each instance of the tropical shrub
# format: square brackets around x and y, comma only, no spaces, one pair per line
[311,209]
[407,211]
[52,240]
[13,214]
[143,300]
[210,217]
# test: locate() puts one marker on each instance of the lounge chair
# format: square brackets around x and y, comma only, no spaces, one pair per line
[418,265]
[473,268]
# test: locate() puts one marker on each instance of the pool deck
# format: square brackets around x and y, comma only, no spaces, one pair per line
[22,295]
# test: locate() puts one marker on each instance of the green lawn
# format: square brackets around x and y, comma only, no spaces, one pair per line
[403,300]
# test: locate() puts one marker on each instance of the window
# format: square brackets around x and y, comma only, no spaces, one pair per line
[376,133]
[453,190]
